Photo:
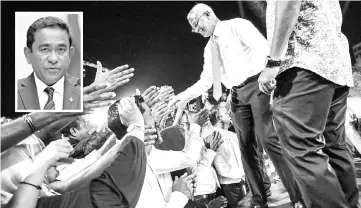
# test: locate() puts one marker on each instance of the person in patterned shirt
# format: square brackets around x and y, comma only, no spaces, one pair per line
[309,69]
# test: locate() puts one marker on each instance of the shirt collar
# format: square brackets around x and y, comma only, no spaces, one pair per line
[218,29]
[40,86]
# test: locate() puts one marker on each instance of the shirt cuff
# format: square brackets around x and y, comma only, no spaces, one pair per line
[136,132]
[195,128]
[178,198]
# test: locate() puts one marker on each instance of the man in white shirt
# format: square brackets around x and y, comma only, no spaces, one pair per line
[49,51]
[235,55]
[228,161]
[155,192]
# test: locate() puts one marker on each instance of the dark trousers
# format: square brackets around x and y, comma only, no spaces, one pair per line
[266,178]
[252,118]
[309,115]
[233,192]
[200,202]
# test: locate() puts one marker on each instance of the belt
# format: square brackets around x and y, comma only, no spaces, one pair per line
[248,80]
[234,88]
[238,184]
[204,196]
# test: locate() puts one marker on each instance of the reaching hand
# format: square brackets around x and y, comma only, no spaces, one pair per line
[56,150]
[219,202]
[150,96]
[214,141]
[200,118]
[185,184]
[159,110]
[96,96]
[129,112]
[173,100]
[150,135]
[116,77]
[165,93]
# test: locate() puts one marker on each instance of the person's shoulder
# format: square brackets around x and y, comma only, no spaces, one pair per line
[237,21]
[23,80]
[73,80]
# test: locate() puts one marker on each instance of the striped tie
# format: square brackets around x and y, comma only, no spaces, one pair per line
[50,105]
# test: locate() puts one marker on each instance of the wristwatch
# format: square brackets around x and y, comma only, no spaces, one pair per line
[133,126]
[273,63]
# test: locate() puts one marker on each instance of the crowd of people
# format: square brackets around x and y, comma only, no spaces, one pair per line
[285,98]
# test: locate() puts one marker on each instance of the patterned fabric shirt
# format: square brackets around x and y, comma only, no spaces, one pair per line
[316,43]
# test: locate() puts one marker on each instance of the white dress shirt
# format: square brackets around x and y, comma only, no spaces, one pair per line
[165,162]
[207,181]
[243,51]
[152,194]
[57,96]
[228,161]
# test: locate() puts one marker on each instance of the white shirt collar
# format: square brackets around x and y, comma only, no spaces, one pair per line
[58,87]
[218,29]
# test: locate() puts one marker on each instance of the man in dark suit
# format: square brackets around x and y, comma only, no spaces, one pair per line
[49,51]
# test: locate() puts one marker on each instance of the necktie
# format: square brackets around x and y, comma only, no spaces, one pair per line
[50,105]
[217,88]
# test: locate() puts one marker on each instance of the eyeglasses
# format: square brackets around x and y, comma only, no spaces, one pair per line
[196,29]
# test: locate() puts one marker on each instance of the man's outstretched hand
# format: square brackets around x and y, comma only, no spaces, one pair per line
[96,96]
[116,77]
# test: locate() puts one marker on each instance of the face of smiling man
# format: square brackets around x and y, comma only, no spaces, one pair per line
[50,54]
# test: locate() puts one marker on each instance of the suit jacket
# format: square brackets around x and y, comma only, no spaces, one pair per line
[28,98]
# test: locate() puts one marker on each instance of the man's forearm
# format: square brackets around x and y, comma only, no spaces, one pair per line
[18,130]
[286,16]
[91,172]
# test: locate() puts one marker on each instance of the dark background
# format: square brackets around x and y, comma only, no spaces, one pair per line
[153,37]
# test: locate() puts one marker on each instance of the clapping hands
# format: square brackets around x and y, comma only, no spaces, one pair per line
[213,141]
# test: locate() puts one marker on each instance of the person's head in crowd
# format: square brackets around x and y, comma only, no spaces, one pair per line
[94,142]
[76,131]
[49,48]
[114,122]
[220,118]
[202,20]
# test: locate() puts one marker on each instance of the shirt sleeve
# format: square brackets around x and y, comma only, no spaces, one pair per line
[251,37]
[224,167]
[205,81]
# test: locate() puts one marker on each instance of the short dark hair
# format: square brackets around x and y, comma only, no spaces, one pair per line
[75,124]
[197,100]
[114,122]
[46,22]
